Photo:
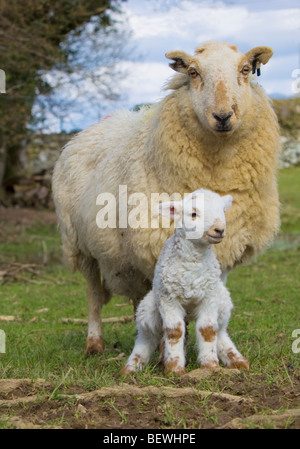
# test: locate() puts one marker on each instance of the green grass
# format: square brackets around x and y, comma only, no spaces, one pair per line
[289,186]
[38,345]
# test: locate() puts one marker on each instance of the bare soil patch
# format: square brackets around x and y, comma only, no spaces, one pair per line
[26,216]
[241,401]
[14,221]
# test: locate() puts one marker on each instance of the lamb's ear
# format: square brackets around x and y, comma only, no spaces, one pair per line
[171,209]
[181,61]
[227,199]
[257,56]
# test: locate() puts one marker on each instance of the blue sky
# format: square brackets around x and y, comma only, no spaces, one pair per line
[159,26]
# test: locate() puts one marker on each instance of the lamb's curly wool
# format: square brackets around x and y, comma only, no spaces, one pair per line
[178,145]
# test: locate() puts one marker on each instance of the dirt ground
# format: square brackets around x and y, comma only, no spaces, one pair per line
[245,401]
[24,217]
[15,220]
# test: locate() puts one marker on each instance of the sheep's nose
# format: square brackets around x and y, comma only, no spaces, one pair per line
[223,118]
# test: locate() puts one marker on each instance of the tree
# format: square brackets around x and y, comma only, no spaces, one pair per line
[37,36]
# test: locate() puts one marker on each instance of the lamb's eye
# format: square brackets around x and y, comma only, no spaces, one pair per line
[193,73]
[245,70]
[194,215]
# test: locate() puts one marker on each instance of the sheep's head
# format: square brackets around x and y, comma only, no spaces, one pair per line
[200,216]
[219,82]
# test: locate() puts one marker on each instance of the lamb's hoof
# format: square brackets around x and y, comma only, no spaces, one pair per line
[210,365]
[94,346]
[128,371]
[239,363]
[178,371]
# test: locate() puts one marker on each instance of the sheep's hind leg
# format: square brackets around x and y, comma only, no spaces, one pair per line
[97,295]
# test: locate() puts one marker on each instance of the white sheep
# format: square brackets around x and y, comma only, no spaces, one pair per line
[187,286]
[215,130]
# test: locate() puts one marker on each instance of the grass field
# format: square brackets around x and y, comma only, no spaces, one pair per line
[37,293]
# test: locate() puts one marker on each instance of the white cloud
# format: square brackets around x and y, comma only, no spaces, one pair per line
[191,20]
[144,82]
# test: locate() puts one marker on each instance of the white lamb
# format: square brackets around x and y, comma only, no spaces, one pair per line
[187,286]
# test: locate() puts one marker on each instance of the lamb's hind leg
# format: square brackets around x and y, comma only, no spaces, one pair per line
[97,295]
[227,352]
[148,323]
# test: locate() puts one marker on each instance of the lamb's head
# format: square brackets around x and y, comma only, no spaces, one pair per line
[218,76]
[200,216]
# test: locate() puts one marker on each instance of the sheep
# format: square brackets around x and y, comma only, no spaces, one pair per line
[187,286]
[216,130]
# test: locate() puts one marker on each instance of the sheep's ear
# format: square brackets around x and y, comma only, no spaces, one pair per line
[262,54]
[171,209]
[257,56]
[181,61]
[227,199]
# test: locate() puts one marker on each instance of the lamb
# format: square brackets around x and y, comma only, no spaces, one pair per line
[187,286]
[215,130]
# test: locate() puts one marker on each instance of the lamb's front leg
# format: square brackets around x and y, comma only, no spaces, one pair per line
[206,333]
[173,340]
[227,351]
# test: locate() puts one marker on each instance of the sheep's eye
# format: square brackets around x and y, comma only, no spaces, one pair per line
[193,73]
[194,214]
[245,70]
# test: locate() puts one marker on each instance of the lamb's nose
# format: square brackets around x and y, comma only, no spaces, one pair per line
[219,231]
[222,118]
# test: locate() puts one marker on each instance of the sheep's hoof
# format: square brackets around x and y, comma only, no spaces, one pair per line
[94,346]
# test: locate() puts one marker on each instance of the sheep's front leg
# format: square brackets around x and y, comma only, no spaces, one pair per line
[206,333]
[227,352]
[148,323]
[173,338]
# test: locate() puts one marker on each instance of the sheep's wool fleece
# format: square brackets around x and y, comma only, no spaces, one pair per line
[164,149]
